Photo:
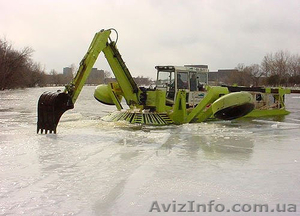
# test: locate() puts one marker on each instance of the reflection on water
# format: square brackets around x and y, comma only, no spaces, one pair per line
[211,141]
[93,167]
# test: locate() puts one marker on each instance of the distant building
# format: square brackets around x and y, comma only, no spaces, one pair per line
[67,72]
[221,76]
[213,78]
[109,80]
[140,81]
[96,77]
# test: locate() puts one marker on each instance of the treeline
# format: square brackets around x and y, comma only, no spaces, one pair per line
[279,69]
[17,69]
[55,78]
[143,81]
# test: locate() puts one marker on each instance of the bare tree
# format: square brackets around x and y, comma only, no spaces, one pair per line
[267,65]
[240,67]
[294,70]
[294,65]
[13,65]
[254,73]
[107,74]
[37,75]
[281,62]
[74,69]
[240,77]
[276,67]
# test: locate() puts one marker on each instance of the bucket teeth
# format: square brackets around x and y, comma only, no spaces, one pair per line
[51,106]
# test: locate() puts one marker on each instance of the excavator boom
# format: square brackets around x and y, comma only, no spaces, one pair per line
[51,106]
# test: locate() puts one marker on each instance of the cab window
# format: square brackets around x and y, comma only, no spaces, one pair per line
[202,78]
[193,81]
[164,79]
[182,80]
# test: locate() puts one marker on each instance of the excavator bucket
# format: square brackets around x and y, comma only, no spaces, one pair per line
[51,106]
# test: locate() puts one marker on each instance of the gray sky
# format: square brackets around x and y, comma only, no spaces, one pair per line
[220,33]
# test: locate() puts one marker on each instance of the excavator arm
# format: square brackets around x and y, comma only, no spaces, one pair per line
[51,106]
[127,84]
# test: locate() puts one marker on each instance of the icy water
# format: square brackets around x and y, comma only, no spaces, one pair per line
[93,167]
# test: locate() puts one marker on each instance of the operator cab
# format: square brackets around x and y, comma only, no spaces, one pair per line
[192,79]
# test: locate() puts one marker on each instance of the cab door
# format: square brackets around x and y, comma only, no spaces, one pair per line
[197,83]
[166,82]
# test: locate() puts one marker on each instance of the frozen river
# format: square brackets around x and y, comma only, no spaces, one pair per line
[91,167]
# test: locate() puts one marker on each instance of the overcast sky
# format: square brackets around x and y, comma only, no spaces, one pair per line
[220,33]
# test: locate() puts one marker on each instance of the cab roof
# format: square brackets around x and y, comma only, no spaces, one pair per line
[181,68]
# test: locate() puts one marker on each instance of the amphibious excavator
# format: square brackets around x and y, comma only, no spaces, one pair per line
[181,95]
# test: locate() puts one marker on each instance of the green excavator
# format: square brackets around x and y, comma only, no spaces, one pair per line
[181,95]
